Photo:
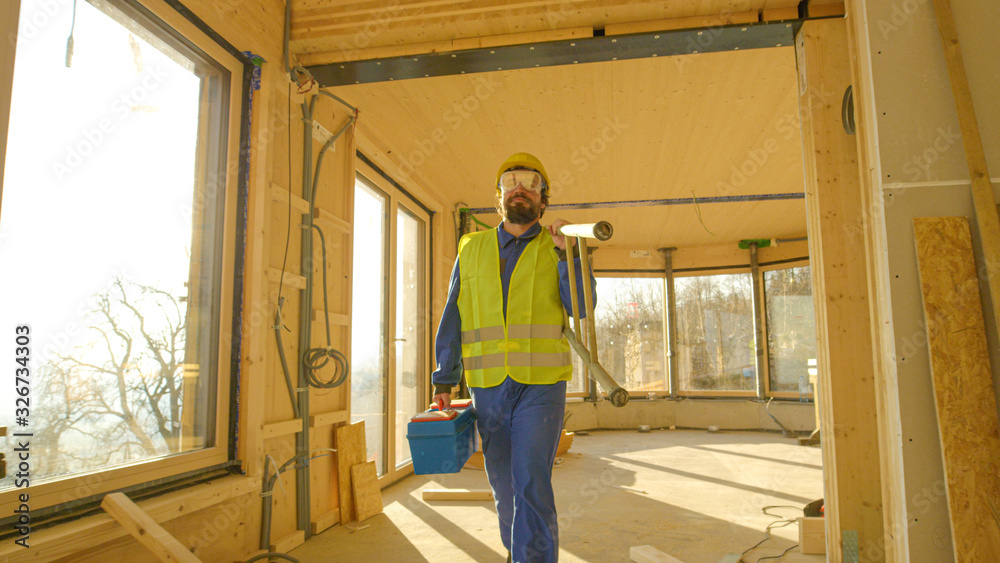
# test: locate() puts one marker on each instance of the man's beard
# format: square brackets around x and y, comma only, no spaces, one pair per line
[525,212]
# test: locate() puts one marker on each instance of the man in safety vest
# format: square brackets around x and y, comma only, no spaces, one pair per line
[502,326]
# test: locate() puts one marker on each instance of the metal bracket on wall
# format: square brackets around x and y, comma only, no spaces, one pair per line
[599,48]
[850,546]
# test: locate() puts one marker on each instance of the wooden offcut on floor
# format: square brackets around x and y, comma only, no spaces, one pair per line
[694,495]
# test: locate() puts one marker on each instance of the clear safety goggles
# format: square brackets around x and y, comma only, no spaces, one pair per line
[528,179]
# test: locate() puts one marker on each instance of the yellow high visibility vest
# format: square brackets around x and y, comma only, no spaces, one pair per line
[528,345]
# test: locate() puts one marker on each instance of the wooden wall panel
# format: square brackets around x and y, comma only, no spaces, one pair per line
[963,384]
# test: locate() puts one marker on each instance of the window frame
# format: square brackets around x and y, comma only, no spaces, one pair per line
[397,197]
[767,328]
[695,272]
[719,393]
[64,493]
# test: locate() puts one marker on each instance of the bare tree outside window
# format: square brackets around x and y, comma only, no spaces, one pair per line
[629,320]
[791,327]
[121,395]
[715,335]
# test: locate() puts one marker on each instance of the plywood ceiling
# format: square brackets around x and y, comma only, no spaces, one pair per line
[689,127]
[694,127]
[325,25]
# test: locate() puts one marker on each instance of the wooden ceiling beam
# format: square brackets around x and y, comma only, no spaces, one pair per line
[682,23]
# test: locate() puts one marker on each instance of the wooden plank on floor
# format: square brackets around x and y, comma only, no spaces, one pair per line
[325,521]
[457,494]
[649,554]
[367,494]
[350,452]
[144,529]
[963,383]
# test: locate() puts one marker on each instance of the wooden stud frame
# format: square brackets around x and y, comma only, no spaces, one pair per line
[94,483]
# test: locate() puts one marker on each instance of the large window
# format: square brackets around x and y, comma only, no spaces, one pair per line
[368,335]
[629,315]
[715,334]
[791,328]
[116,240]
[390,323]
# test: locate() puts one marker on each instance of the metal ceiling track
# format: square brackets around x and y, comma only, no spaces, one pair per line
[599,48]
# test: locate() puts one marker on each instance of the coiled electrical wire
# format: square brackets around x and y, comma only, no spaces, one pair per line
[317,358]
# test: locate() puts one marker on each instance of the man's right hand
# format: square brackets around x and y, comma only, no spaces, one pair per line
[443,400]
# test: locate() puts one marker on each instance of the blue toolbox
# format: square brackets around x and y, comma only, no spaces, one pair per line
[441,441]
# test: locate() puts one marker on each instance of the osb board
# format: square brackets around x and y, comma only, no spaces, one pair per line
[367,494]
[919,135]
[350,452]
[963,384]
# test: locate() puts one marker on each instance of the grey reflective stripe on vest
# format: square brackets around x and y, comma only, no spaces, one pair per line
[535,331]
[482,334]
[518,359]
[515,331]
[483,362]
[539,359]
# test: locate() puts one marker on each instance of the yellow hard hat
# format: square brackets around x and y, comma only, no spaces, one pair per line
[523,159]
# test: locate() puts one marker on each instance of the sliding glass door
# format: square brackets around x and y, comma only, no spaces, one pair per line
[390,319]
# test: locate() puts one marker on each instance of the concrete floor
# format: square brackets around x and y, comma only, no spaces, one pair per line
[692,494]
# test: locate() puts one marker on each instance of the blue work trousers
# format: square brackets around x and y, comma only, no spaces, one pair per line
[520,426]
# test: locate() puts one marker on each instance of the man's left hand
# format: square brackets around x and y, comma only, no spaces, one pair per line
[556,237]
